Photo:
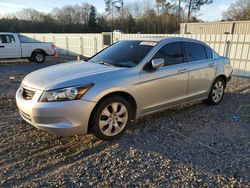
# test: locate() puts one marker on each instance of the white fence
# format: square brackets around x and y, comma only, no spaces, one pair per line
[72,44]
[236,47]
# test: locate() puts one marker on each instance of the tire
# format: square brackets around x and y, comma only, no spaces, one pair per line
[108,125]
[39,57]
[216,92]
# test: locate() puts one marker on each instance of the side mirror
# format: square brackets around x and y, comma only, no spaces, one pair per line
[157,63]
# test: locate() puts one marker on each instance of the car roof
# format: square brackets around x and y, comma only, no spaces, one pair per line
[166,39]
[7,33]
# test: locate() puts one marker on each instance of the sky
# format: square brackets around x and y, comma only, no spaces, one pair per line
[211,12]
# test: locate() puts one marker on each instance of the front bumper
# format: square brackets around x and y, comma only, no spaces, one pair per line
[60,118]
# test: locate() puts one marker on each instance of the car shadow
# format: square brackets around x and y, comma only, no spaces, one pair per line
[197,135]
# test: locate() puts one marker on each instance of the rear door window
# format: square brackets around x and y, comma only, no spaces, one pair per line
[172,53]
[195,51]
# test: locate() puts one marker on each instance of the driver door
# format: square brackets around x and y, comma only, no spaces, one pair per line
[9,47]
[168,85]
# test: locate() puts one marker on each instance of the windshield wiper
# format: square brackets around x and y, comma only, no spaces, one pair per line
[120,65]
[113,65]
[104,63]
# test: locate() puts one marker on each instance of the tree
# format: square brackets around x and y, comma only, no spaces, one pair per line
[30,15]
[159,16]
[179,11]
[195,5]
[108,4]
[160,4]
[240,10]
[92,19]
[73,14]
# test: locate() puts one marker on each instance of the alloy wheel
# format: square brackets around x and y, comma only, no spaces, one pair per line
[218,91]
[113,119]
[39,57]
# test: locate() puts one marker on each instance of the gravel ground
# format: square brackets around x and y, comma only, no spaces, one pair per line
[195,145]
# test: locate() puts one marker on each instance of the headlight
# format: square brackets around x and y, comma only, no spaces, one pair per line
[65,94]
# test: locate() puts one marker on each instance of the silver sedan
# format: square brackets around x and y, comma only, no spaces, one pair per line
[125,81]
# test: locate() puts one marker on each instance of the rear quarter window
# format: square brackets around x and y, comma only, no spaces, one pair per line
[25,39]
[209,53]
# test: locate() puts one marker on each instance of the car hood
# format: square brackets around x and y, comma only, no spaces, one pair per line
[66,75]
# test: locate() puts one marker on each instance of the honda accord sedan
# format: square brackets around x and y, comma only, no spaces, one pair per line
[128,80]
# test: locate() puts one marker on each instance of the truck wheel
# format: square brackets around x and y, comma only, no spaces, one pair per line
[39,57]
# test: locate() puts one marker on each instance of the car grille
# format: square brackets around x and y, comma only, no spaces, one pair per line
[28,94]
[26,117]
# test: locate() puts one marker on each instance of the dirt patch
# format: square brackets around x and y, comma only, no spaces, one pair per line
[189,146]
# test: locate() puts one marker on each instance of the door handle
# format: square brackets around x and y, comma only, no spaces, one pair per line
[182,71]
[211,64]
[1,46]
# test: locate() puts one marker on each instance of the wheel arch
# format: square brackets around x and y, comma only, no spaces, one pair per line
[209,100]
[38,50]
[127,96]
[223,76]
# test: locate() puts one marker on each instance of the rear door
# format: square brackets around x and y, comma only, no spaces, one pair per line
[9,46]
[201,69]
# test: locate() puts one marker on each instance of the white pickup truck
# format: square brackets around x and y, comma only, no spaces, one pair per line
[15,46]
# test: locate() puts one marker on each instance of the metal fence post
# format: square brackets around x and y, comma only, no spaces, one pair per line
[95,45]
[54,39]
[81,45]
[67,45]
[228,42]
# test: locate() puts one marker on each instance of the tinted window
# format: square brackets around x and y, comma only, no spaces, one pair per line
[124,53]
[172,53]
[195,52]
[7,39]
[209,53]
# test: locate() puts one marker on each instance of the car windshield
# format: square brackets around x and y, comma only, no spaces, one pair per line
[124,53]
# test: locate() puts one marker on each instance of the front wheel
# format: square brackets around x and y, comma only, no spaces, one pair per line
[112,118]
[217,91]
[39,57]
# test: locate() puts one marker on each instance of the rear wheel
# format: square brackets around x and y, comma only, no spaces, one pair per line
[217,91]
[112,117]
[39,57]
